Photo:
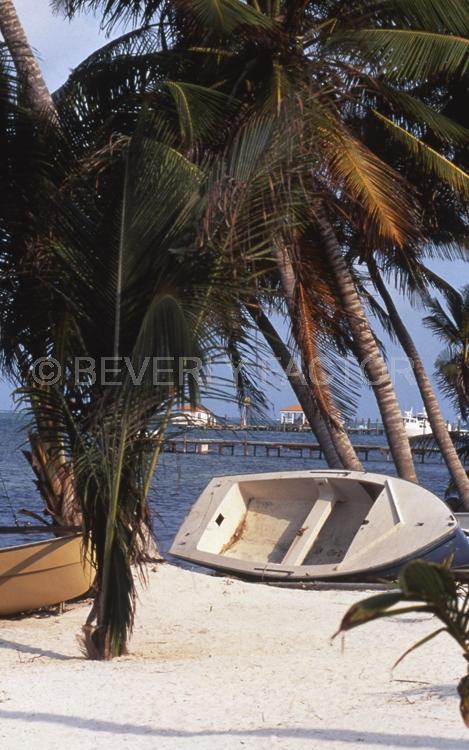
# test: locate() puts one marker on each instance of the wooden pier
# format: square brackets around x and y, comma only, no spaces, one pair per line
[280,448]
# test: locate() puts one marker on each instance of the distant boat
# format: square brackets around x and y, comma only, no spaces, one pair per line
[317,525]
[41,574]
[416,425]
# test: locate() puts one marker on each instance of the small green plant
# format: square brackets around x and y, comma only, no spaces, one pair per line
[423,587]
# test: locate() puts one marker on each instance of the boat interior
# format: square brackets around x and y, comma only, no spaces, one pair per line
[300,521]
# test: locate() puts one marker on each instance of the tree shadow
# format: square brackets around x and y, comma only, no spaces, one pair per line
[442,692]
[23,648]
[347,736]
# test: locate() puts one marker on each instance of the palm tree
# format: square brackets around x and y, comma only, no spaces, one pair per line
[27,85]
[313,64]
[301,311]
[28,70]
[80,277]
[294,205]
[430,401]
[370,356]
[108,297]
[452,365]
[297,382]
[98,271]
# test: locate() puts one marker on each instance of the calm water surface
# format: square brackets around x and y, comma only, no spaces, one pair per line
[180,477]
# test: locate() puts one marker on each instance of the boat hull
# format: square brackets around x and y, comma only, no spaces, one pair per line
[318,525]
[455,549]
[41,574]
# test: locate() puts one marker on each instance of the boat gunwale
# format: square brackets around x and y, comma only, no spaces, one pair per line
[260,574]
[277,571]
[62,538]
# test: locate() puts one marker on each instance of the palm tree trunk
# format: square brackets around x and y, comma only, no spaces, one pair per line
[54,476]
[339,436]
[372,361]
[297,383]
[26,65]
[435,417]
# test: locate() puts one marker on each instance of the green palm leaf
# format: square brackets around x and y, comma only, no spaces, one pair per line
[227,15]
[422,114]
[114,11]
[432,15]
[219,15]
[408,53]
[428,157]
[201,111]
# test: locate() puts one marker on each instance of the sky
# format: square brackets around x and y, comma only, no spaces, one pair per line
[60,45]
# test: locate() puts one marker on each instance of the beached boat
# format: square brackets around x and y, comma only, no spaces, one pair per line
[318,525]
[40,574]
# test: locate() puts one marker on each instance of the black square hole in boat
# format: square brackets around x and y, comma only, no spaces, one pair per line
[219,520]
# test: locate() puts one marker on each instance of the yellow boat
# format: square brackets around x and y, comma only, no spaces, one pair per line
[40,574]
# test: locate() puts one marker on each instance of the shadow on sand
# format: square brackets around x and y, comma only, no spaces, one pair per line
[348,736]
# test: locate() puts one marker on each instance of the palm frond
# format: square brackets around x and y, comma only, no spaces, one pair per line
[226,15]
[113,11]
[428,157]
[441,324]
[446,129]
[201,111]
[432,15]
[408,54]
[375,186]
[218,15]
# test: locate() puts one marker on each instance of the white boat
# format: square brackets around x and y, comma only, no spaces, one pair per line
[416,425]
[317,525]
[40,574]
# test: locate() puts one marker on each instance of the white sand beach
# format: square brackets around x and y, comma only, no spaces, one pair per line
[217,663]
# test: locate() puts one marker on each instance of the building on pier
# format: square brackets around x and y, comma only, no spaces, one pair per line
[293,415]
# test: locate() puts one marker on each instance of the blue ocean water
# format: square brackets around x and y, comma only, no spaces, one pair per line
[181,477]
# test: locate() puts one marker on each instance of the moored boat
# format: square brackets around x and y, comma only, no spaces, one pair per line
[40,574]
[416,425]
[318,525]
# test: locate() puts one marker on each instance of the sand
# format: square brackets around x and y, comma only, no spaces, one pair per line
[217,663]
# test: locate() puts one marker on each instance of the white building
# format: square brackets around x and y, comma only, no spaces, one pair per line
[198,416]
[293,415]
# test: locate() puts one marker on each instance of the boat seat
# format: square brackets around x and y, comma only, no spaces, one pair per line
[383,519]
[312,525]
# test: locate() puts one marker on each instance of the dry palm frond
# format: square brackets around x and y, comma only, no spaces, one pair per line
[306,337]
[383,194]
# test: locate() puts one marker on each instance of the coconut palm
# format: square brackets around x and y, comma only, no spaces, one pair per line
[92,269]
[101,273]
[436,419]
[300,388]
[307,336]
[317,186]
[318,66]
[452,365]
[25,177]
[27,67]
[444,213]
